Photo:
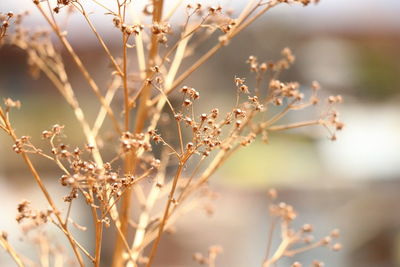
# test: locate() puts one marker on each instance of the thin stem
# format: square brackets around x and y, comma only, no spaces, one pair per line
[112,89]
[125,79]
[81,67]
[172,11]
[142,113]
[279,116]
[165,216]
[270,237]
[14,255]
[144,217]
[101,41]
[99,235]
[279,252]
[291,253]
[75,242]
[294,125]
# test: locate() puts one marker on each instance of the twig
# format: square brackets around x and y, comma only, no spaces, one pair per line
[14,255]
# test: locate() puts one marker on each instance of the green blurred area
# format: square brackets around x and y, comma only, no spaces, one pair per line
[378,71]
[286,160]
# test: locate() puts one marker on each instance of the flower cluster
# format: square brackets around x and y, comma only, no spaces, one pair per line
[25,212]
[296,241]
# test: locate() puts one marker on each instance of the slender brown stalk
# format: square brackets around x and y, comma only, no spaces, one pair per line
[278,253]
[99,235]
[166,214]
[14,255]
[100,39]
[270,237]
[295,125]
[81,67]
[145,215]
[130,159]
[128,167]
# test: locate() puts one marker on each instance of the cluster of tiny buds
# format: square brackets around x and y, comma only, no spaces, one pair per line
[284,63]
[87,174]
[6,19]
[326,241]
[60,4]
[213,10]
[255,66]
[66,180]
[194,9]
[213,251]
[283,210]
[5,22]
[157,28]
[130,141]
[256,104]
[199,258]
[9,103]
[156,137]
[189,146]
[127,29]
[289,90]
[71,196]
[161,30]
[206,130]
[303,2]
[226,28]
[19,144]
[333,120]
[191,93]
[25,212]
[64,2]
[315,86]
[9,14]
[198,8]
[56,129]
[250,138]
[287,53]
[335,99]
[239,113]
[155,163]
[239,82]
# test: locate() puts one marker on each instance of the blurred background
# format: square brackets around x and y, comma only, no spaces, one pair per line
[350,47]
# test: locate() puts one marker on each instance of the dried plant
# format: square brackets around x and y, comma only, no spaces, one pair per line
[205,139]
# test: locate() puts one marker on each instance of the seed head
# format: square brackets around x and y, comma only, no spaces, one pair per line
[244,89]
[336,247]
[335,233]
[307,228]
[187,102]
[272,193]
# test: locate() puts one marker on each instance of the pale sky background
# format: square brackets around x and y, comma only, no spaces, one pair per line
[334,13]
